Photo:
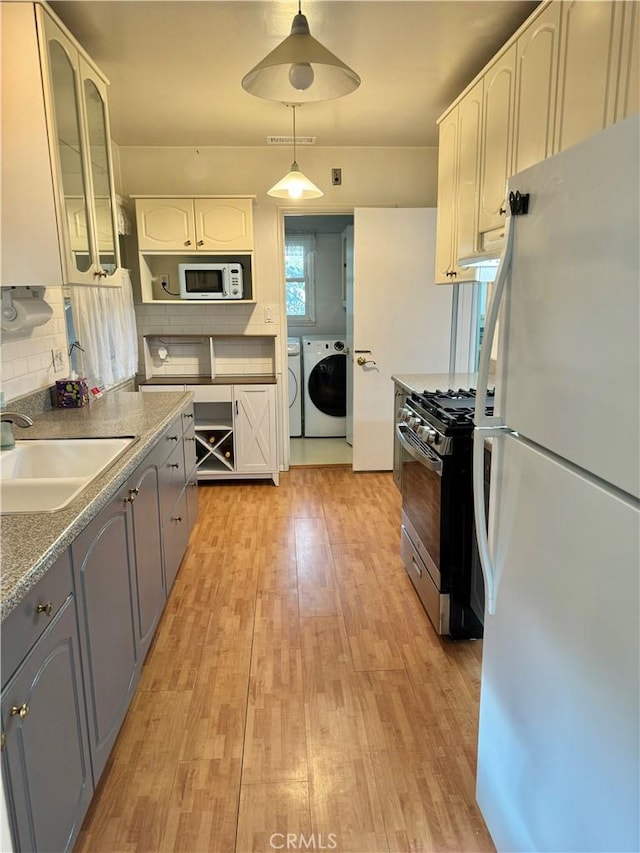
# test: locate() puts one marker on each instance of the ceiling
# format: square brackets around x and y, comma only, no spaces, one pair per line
[175,66]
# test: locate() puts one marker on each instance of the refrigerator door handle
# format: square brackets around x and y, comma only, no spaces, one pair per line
[488,425]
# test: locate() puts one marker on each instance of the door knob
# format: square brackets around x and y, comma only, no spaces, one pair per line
[362,360]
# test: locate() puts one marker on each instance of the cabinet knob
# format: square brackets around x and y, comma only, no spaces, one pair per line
[193,484]
[173,465]
[21,711]
[187,242]
[45,608]
[200,243]
[100,274]
[227,455]
[132,496]
[177,518]
[187,415]
[172,437]
[454,274]
[502,211]
[190,438]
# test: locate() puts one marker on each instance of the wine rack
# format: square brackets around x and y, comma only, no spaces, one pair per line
[214,447]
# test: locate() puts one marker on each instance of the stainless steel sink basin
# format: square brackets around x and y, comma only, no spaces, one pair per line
[43,475]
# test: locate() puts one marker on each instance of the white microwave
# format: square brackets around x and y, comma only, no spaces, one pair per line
[210,281]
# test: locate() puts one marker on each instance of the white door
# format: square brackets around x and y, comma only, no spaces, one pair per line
[348,304]
[401,320]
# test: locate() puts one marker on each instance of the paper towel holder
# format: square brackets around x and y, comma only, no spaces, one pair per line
[8,311]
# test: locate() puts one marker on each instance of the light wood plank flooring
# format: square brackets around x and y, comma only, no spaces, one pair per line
[296,688]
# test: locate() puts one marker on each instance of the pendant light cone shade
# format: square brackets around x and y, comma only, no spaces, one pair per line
[295,184]
[300,70]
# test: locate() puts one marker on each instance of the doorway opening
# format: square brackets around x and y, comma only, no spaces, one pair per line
[318,263]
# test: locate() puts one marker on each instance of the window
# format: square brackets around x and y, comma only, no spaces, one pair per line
[299,253]
[102,333]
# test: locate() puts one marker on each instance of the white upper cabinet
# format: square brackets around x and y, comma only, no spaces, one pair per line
[76,107]
[588,72]
[446,211]
[26,186]
[628,95]
[571,69]
[166,224]
[497,128]
[188,225]
[458,173]
[536,81]
[469,128]
[224,224]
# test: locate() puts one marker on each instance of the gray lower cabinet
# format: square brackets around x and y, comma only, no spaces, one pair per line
[151,593]
[45,761]
[175,536]
[72,650]
[104,576]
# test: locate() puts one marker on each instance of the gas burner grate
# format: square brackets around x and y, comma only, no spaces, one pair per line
[451,407]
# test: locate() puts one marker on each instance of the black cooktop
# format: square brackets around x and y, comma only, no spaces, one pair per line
[453,408]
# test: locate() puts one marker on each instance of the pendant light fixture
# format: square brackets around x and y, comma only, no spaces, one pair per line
[300,69]
[295,184]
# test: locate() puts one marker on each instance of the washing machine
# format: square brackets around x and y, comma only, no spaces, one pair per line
[324,365]
[295,387]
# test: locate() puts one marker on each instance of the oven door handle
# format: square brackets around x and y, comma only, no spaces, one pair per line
[434,465]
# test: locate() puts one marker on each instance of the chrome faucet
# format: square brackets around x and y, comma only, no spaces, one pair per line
[7,419]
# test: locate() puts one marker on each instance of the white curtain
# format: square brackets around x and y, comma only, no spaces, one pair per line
[105,328]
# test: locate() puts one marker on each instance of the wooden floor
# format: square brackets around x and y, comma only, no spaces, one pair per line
[296,688]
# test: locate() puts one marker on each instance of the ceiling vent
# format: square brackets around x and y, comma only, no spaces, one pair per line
[288,140]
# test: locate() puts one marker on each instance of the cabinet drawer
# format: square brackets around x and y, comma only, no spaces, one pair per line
[211,393]
[25,624]
[172,479]
[171,438]
[188,417]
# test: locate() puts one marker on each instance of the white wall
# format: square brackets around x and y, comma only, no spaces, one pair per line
[402,177]
[26,363]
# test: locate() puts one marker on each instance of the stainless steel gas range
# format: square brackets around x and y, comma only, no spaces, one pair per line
[435,430]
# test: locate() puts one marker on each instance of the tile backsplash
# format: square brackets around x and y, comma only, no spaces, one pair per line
[211,320]
[26,362]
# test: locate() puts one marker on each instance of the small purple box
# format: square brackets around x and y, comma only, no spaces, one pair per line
[72,393]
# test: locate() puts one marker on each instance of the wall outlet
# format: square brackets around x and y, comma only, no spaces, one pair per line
[336,177]
[164,280]
[57,357]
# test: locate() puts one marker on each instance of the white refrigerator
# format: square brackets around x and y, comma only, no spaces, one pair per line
[559,732]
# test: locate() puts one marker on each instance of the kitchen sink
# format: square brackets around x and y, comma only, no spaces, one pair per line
[44,475]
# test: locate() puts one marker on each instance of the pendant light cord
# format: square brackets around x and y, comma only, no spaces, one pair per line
[293,107]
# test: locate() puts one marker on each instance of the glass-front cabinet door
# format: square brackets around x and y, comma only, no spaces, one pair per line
[100,167]
[80,149]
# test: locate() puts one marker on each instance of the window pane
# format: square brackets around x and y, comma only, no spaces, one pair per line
[296,298]
[294,262]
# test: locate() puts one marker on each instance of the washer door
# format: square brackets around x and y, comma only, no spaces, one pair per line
[328,386]
[293,388]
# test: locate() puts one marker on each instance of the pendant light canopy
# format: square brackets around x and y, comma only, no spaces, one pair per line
[295,184]
[300,69]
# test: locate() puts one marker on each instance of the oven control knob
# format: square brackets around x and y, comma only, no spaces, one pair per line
[431,435]
[422,432]
[413,422]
